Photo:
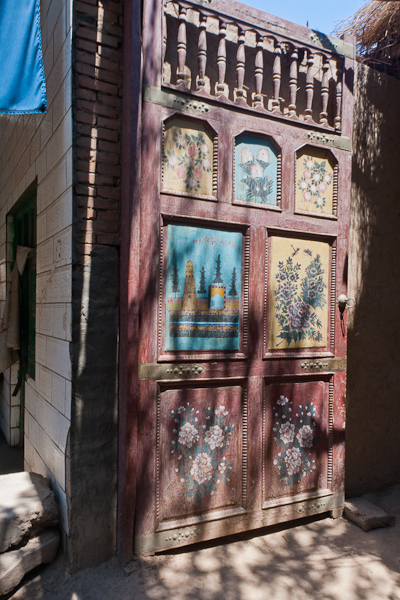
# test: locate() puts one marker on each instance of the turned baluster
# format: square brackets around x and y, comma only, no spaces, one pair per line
[221,60]
[180,76]
[338,103]
[276,78]
[323,117]
[202,53]
[164,46]
[240,64]
[293,81]
[309,86]
[259,72]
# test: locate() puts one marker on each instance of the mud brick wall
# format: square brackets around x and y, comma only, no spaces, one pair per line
[97,97]
[373,414]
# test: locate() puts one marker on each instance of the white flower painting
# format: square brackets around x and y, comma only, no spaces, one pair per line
[296,439]
[202,465]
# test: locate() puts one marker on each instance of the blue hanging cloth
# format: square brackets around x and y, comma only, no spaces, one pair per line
[22,81]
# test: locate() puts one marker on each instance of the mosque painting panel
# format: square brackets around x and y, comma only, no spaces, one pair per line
[203,292]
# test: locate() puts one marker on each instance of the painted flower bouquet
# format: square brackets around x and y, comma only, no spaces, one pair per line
[190,159]
[295,436]
[315,181]
[202,464]
[298,301]
[257,183]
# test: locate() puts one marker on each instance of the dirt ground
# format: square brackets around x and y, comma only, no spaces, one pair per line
[323,559]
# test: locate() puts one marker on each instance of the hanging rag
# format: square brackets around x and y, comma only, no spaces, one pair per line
[10,324]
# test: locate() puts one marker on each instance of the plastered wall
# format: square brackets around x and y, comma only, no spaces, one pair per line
[39,147]
[373,397]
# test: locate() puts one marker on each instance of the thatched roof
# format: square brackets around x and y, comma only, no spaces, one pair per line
[377,28]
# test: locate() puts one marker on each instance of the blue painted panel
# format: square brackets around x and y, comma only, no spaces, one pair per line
[256,170]
[204,274]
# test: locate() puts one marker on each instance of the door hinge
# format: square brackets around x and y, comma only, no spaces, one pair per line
[153,372]
[324,364]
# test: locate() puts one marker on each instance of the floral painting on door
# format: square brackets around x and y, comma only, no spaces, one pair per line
[188,158]
[298,305]
[256,170]
[314,181]
[200,449]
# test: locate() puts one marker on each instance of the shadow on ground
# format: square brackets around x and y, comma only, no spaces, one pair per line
[320,559]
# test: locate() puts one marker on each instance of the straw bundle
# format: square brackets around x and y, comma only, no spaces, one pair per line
[377,28]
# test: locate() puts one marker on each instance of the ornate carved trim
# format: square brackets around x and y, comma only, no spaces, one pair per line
[311,507]
[323,364]
[158,372]
[170,100]
[334,141]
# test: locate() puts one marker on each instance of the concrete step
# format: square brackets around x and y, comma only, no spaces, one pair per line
[27,506]
[366,515]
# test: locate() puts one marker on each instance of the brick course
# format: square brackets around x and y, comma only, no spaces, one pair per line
[97,126]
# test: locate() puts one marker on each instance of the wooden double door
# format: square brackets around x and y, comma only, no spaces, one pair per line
[243,253]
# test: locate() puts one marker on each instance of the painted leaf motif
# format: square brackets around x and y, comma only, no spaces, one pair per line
[203,466]
[295,436]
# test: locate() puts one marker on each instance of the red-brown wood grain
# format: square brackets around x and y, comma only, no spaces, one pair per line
[247,382]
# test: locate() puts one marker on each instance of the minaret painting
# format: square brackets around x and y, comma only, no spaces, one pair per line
[189,301]
[204,316]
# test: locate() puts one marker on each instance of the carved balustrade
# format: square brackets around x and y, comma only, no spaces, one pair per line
[215,56]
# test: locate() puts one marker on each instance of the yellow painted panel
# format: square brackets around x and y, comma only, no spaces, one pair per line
[314,181]
[298,295]
[188,158]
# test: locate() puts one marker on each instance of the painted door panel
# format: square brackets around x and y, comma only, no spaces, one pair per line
[244,232]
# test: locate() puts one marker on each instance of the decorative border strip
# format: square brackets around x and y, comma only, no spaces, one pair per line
[263,440]
[279,181]
[330,435]
[245,330]
[333,299]
[158,458]
[266,290]
[160,287]
[215,165]
[244,444]
[162,156]
[335,189]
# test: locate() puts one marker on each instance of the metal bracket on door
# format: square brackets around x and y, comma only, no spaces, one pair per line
[154,372]
[324,364]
